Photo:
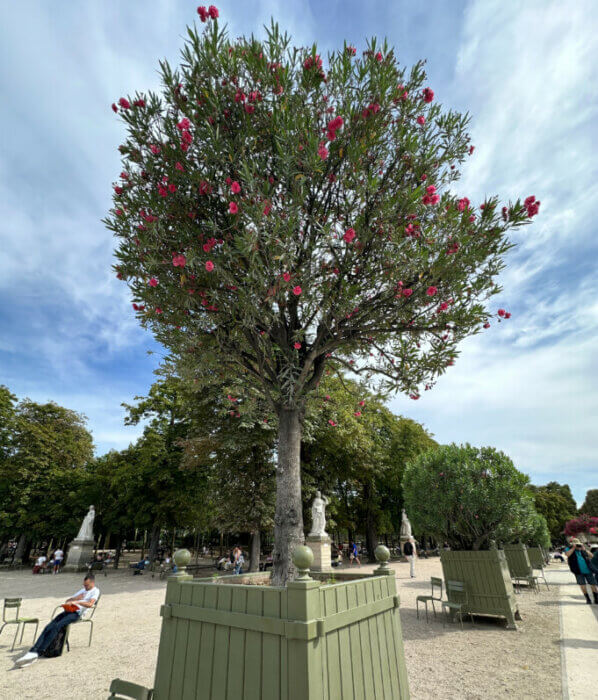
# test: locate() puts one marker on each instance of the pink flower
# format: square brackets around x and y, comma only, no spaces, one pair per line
[357,413]
[249,109]
[297,290]
[179,260]
[486,325]
[267,208]
[118,190]
[532,206]
[139,103]
[153,282]
[286,276]
[213,12]
[362,403]
[114,107]
[204,187]
[155,149]
[407,292]
[313,62]
[203,13]
[179,166]
[430,189]
[332,423]
[428,94]
[501,312]
[349,235]
[415,397]
[322,150]
[508,314]
[351,50]
[431,291]
[443,306]
[463,204]
[378,57]
[235,187]
[125,104]
[233,208]
[471,149]
[421,120]
[209,266]
[297,346]
[158,310]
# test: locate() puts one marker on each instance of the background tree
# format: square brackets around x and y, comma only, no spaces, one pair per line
[555,505]
[355,450]
[44,476]
[276,215]
[466,496]
[590,505]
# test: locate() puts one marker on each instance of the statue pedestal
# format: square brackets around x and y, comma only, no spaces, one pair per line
[320,546]
[79,554]
[404,541]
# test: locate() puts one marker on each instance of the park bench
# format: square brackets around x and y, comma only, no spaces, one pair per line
[94,566]
[131,691]
[456,593]
[436,583]
[89,612]
[20,622]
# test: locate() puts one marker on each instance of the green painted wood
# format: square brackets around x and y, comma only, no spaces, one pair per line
[252,679]
[518,560]
[305,642]
[536,557]
[488,582]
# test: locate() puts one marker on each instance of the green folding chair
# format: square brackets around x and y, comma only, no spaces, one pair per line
[20,622]
[457,600]
[131,691]
[89,618]
[436,583]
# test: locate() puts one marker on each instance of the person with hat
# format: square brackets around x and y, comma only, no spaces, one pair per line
[581,566]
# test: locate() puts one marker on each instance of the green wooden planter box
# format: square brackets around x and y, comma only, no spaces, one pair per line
[536,557]
[518,561]
[309,640]
[487,580]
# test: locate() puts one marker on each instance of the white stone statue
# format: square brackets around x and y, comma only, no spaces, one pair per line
[86,529]
[405,526]
[318,516]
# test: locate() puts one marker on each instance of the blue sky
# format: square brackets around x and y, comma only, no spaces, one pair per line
[525,71]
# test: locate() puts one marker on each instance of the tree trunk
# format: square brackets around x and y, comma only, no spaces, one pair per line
[119,543]
[288,520]
[371,536]
[154,543]
[254,551]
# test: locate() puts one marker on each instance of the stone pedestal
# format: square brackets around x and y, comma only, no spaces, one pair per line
[320,546]
[79,554]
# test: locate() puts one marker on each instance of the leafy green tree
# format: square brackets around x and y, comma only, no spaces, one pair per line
[7,420]
[555,507]
[276,215]
[467,496]
[43,480]
[590,505]
[356,451]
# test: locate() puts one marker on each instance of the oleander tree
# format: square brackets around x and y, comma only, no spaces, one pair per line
[583,524]
[279,213]
[468,496]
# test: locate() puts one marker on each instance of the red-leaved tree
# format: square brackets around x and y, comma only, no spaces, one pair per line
[583,524]
[280,215]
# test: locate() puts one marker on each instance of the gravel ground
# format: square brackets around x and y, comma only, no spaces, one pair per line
[486,661]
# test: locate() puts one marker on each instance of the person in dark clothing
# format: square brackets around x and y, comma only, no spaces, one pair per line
[581,566]
[74,608]
[410,551]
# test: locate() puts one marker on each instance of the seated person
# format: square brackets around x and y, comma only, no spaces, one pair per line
[40,564]
[74,609]
[140,566]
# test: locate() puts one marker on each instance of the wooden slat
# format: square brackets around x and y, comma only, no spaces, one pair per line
[193,645]
[271,648]
[166,650]
[221,647]
[206,654]
[252,676]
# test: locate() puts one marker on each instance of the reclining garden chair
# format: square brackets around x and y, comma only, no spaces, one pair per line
[457,600]
[123,689]
[20,622]
[436,583]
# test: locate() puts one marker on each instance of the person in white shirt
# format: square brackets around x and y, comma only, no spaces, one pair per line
[74,608]
[58,557]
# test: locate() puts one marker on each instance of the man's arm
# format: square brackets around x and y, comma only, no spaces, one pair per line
[569,552]
[74,598]
[87,603]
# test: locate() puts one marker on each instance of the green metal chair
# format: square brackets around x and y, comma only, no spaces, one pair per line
[20,622]
[457,600]
[436,583]
[123,689]
[89,619]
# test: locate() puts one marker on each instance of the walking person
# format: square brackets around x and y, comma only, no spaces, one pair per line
[74,608]
[57,558]
[353,554]
[410,551]
[581,566]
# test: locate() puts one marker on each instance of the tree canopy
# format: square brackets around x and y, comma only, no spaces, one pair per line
[590,505]
[278,213]
[468,496]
